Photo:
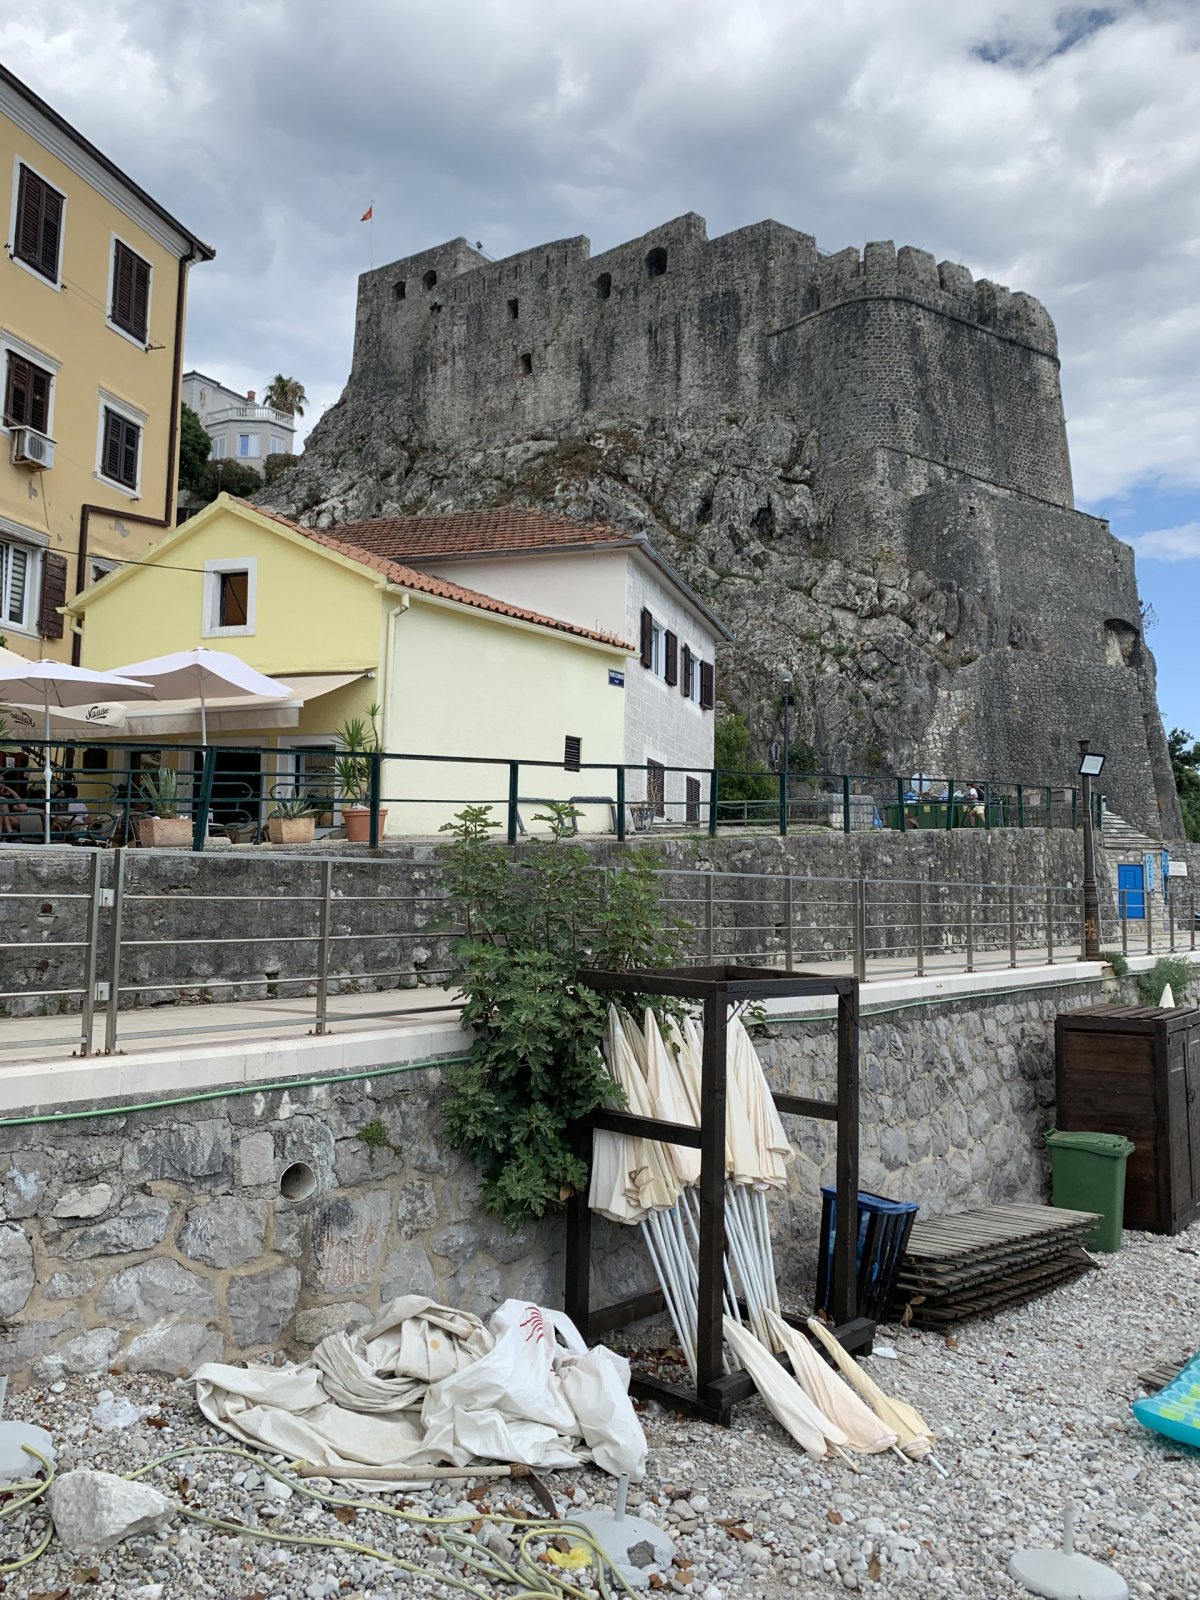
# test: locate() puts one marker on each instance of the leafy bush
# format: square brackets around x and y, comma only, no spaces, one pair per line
[1173,970]
[529,923]
[746,789]
[1116,961]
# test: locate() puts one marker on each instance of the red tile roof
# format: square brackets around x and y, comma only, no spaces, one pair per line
[457,533]
[423,583]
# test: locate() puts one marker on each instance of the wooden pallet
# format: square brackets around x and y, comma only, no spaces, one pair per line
[1162,1373]
[984,1261]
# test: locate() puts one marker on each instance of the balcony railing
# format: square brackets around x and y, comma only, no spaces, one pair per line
[249,413]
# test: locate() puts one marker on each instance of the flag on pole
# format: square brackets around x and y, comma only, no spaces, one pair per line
[369,214]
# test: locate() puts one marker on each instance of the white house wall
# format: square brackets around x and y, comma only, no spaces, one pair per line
[586,589]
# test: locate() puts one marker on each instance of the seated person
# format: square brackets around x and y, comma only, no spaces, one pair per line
[11,802]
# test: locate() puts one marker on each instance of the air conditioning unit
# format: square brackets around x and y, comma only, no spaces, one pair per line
[31,448]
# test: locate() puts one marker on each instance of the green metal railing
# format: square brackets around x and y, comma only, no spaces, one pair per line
[233,789]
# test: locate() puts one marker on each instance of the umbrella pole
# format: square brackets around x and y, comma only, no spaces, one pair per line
[759,1203]
[746,1265]
[667,1284]
[668,1244]
[46,756]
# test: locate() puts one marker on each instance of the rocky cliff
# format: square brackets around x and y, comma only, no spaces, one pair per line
[863,471]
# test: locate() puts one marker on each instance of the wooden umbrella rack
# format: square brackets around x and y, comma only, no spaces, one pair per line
[716,988]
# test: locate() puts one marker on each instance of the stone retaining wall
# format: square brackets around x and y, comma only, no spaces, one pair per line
[155,1239]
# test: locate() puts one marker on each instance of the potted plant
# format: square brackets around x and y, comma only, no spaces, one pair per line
[164,827]
[291,820]
[359,741]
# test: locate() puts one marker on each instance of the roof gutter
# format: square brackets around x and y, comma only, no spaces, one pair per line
[668,571]
[85,510]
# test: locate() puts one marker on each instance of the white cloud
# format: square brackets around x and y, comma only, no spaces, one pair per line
[1169,544]
[1054,149]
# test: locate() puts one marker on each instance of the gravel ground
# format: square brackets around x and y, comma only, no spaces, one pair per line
[1030,1407]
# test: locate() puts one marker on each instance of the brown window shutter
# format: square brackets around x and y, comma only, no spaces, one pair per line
[141,298]
[122,302]
[129,445]
[688,669]
[54,594]
[112,446]
[647,638]
[16,391]
[38,411]
[708,686]
[671,673]
[29,217]
[51,226]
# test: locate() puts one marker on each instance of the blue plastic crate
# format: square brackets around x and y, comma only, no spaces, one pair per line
[883,1229]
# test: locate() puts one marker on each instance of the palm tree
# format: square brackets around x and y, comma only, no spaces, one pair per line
[286,394]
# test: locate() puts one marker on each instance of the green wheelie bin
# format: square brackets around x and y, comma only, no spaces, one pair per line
[1089,1175]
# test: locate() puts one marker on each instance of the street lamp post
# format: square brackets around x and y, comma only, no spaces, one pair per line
[785,790]
[1090,766]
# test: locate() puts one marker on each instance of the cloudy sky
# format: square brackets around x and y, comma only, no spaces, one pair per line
[1053,148]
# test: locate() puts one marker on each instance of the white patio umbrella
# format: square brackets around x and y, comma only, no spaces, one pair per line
[202,674]
[47,684]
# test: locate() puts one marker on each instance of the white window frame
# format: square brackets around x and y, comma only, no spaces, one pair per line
[210,621]
[28,625]
[56,283]
[116,327]
[251,452]
[693,698]
[219,446]
[99,567]
[9,342]
[658,647]
[110,402]
[278,446]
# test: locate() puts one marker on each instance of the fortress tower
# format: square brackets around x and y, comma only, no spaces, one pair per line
[860,459]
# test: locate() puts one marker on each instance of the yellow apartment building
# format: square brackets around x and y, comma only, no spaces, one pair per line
[93,299]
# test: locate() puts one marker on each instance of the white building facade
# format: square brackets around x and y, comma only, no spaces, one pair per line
[240,428]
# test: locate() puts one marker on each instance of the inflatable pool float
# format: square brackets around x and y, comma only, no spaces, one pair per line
[1175,1410]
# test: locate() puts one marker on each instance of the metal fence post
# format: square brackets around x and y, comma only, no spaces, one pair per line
[1020,805]
[845,804]
[920,930]
[91,957]
[1171,918]
[1148,898]
[949,804]
[1074,808]
[710,918]
[1012,925]
[987,806]
[514,790]
[970,929]
[620,805]
[783,802]
[375,786]
[1049,925]
[204,803]
[114,953]
[323,915]
[1123,910]
[1192,922]
[901,816]
[860,929]
[789,953]
[1049,806]
[714,784]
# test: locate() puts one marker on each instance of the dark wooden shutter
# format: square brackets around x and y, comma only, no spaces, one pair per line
[112,446]
[647,638]
[692,813]
[572,752]
[54,594]
[131,291]
[708,686]
[688,669]
[39,223]
[26,394]
[671,673]
[120,449]
[129,449]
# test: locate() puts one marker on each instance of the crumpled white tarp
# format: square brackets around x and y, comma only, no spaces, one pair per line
[425,1384]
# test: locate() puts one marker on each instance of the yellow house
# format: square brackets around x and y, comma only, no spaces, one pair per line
[454,672]
[93,294]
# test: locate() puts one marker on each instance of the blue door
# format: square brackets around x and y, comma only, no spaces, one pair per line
[1131,891]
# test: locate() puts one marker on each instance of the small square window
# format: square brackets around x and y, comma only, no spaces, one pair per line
[233,599]
[526,364]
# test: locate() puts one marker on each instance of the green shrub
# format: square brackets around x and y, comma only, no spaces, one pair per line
[1116,961]
[1173,970]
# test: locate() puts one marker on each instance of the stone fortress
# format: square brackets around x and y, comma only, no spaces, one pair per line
[860,460]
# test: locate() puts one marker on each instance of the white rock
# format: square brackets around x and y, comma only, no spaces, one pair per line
[122,1413]
[95,1510]
[275,1489]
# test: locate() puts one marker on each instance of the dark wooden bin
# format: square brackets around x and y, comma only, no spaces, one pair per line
[1136,1070]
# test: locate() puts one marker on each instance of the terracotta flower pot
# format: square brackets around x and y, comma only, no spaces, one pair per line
[164,833]
[290,830]
[358,823]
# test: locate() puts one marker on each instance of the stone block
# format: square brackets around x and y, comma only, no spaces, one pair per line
[93,1511]
[457,1242]
[318,1322]
[505,1244]
[88,1353]
[83,1204]
[69,1285]
[349,1236]
[156,1288]
[198,1155]
[172,1347]
[225,1232]
[260,1305]
[416,1208]
[478,1289]
[23,1184]
[16,1269]
[23,1341]
[893,1147]
[256,1159]
[288,1234]
[140,1224]
[408,1271]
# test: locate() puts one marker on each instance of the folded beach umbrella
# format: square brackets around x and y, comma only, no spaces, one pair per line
[913,1434]
[670,1097]
[784,1398]
[831,1395]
